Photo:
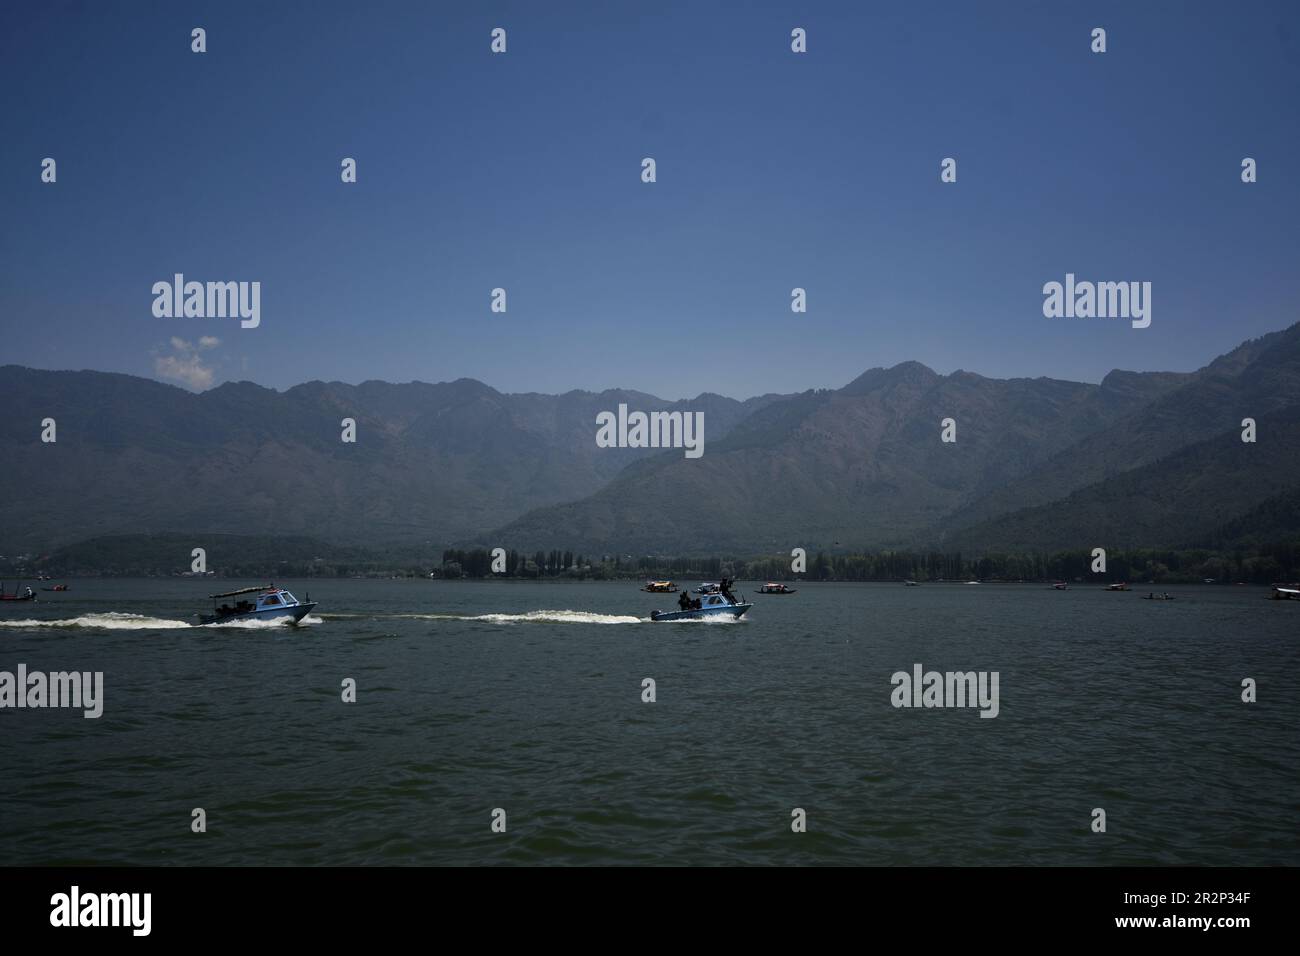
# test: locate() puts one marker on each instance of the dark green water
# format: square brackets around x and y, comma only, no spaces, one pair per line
[527,697]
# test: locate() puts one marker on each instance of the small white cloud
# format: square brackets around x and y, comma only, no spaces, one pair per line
[184,365]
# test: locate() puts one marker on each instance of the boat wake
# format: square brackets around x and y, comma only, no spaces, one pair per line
[119,621]
[260,624]
[108,621]
[545,617]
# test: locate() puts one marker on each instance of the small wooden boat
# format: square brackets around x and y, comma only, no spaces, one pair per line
[27,595]
[660,587]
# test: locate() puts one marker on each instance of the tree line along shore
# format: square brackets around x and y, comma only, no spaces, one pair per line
[252,557]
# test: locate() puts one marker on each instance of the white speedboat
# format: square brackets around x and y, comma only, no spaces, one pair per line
[266,603]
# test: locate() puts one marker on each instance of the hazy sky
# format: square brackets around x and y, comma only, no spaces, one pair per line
[523,171]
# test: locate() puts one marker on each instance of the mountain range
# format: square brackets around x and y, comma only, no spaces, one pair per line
[1148,459]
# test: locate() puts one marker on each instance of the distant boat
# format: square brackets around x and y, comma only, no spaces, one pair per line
[712,605]
[1117,587]
[57,587]
[27,595]
[270,603]
[1060,586]
[660,587]
[1285,594]
[707,589]
[770,588]
[910,584]
[972,582]
[1158,597]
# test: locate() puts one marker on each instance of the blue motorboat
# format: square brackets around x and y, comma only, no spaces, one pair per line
[711,605]
[258,604]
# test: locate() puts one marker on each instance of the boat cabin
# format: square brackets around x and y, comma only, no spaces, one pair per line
[255,599]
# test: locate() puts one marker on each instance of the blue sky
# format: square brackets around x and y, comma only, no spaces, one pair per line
[522,170]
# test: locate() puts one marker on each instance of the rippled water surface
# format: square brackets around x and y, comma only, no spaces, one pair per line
[527,697]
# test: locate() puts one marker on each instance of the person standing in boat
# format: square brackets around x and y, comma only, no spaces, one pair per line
[725,587]
[684,602]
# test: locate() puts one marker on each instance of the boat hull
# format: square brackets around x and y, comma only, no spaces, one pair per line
[297,612]
[735,611]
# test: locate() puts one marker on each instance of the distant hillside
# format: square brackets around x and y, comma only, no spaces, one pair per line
[862,466]
[432,463]
[1273,520]
[1216,493]
[1253,380]
[226,555]
[1139,460]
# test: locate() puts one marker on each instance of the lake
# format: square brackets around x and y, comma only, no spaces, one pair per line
[527,696]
